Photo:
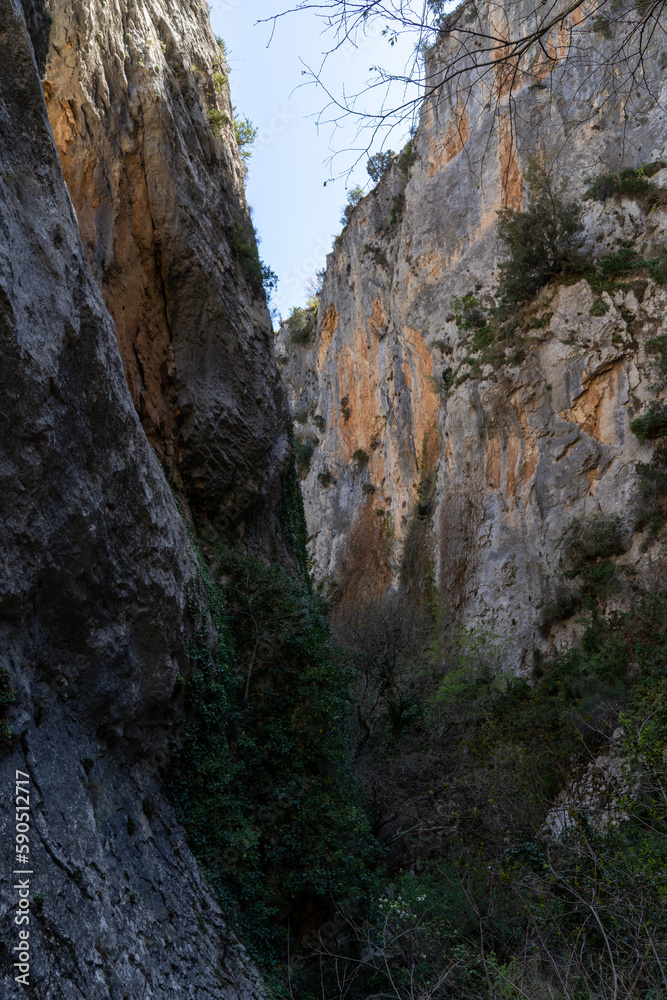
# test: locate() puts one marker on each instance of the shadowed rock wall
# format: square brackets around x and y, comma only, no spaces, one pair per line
[138,99]
[98,580]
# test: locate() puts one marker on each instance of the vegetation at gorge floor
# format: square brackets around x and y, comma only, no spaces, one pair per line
[389,810]
[380,801]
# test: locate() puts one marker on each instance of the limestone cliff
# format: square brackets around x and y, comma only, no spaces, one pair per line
[98,580]
[138,99]
[468,484]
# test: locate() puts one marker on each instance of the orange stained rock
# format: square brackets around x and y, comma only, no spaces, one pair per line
[511,458]
[417,369]
[112,205]
[506,69]
[327,330]
[377,321]
[357,377]
[442,151]
[510,173]
[595,410]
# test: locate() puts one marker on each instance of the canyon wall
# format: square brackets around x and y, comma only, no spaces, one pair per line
[138,99]
[467,485]
[133,342]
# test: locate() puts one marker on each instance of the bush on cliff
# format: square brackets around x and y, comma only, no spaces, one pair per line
[302,323]
[379,163]
[260,773]
[632,184]
[242,241]
[540,243]
[652,426]
[353,198]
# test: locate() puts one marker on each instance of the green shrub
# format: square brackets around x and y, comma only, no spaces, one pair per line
[300,416]
[407,157]
[302,324]
[624,261]
[468,312]
[353,198]
[243,246]
[616,264]
[652,424]
[541,242]
[345,408]
[482,338]
[360,457]
[367,489]
[599,308]
[563,605]
[216,120]
[602,25]
[632,183]
[325,478]
[379,163]
[260,774]
[245,134]
[443,383]
[652,482]
[319,422]
[600,577]
[597,536]
[649,169]
[397,208]
[468,783]
[657,347]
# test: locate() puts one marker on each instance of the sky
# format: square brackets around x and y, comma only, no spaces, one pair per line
[295,214]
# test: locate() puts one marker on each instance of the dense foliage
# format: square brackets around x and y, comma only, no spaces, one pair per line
[541,242]
[302,324]
[521,822]
[379,163]
[260,773]
[483,902]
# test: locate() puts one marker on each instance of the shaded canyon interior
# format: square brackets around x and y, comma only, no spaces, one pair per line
[150,419]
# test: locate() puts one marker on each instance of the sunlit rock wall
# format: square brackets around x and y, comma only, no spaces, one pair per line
[138,99]
[471,491]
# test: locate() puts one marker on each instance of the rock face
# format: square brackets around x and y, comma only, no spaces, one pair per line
[97,575]
[468,484]
[138,99]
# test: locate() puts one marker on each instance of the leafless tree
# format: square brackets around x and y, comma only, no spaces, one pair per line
[477,60]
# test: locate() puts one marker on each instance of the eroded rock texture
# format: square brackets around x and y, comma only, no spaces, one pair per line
[471,490]
[97,576]
[139,103]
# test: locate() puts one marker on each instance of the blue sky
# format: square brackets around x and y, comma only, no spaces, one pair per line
[295,215]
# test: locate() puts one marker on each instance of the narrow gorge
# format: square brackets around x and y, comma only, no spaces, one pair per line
[334,658]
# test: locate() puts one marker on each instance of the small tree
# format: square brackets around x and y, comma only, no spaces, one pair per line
[379,163]
[302,323]
[541,242]
[245,134]
[353,198]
